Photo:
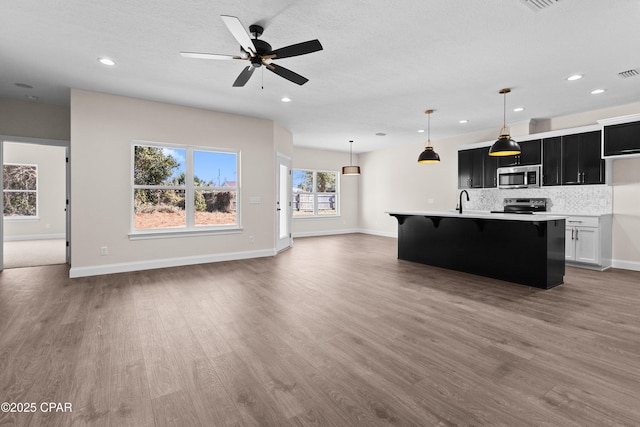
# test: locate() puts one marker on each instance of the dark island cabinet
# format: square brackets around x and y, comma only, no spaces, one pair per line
[581,159]
[471,167]
[530,155]
[552,161]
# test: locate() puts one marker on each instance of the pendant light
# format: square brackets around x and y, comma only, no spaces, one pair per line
[428,155]
[504,146]
[351,170]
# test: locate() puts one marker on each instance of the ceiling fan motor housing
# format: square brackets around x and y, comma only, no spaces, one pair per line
[262,47]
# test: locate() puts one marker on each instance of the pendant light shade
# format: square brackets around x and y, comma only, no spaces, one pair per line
[351,170]
[428,155]
[504,146]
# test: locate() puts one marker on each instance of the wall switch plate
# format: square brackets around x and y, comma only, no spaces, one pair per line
[104,251]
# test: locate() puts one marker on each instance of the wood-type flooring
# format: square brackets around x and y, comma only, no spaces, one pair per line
[333,332]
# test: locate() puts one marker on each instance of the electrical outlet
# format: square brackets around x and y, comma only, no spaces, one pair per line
[252,239]
[104,251]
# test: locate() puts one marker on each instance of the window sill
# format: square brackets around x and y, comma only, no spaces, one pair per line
[166,234]
[316,217]
[21,218]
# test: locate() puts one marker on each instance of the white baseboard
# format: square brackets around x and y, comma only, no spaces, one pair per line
[34,237]
[96,270]
[626,265]
[393,234]
[325,232]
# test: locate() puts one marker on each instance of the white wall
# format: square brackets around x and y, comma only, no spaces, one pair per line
[102,129]
[399,183]
[34,119]
[51,163]
[347,222]
[626,213]
[392,180]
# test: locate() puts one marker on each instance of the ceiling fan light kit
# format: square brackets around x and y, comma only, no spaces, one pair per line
[504,146]
[428,155]
[258,52]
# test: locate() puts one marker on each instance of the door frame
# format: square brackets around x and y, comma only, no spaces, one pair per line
[40,141]
[283,243]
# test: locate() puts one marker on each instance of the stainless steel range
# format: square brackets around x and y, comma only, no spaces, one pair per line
[523,205]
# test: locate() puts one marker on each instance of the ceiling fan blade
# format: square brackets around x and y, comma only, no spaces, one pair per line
[199,55]
[287,74]
[244,76]
[239,33]
[297,49]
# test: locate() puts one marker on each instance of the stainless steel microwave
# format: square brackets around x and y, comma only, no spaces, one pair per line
[519,177]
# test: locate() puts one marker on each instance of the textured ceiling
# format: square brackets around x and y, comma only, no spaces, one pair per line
[384,61]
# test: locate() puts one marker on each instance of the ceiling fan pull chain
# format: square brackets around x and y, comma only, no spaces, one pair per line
[262,78]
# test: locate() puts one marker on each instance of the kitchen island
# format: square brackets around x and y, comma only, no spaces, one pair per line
[524,249]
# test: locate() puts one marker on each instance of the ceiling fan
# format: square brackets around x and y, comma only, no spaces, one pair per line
[257,52]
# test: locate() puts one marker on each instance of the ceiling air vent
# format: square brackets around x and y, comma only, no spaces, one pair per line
[538,5]
[629,73]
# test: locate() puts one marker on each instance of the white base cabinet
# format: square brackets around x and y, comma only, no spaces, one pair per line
[588,241]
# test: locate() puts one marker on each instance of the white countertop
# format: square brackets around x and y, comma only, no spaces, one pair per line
[482,215]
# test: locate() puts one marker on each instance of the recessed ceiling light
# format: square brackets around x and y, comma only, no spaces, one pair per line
[107,61]
[518,109]
[463,122]
[381,134]
[285,99]
[420,130]
[31,97]
[574,77]
[598,91]
[24,85]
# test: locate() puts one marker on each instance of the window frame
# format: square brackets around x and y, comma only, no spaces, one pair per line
[190,228]
[36,191]
[315,193]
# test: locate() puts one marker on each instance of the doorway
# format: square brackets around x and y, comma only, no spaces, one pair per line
[35,226]
[283,203]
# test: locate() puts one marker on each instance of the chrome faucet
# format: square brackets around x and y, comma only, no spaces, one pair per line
[465,192]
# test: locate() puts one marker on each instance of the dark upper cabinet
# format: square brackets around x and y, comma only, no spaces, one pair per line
[551,161]
[471,167]
[592,164]
[490,170]
[530,155]
[581,161]
[622,139]
[465,168]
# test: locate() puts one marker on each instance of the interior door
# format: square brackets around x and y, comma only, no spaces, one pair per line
[283,203]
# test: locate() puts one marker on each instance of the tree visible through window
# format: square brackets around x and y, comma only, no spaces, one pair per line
[315,193]
[20,190]
[186,188]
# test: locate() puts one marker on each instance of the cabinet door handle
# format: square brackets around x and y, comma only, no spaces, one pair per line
[577,231]
[572,231]
[578,177]
[575,222]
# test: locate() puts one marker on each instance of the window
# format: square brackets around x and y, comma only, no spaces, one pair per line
[20,190]
[184,188]
[315,193]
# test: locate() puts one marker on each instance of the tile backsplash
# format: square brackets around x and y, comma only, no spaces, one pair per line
[574,199]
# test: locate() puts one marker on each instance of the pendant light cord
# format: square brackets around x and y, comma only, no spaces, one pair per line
[429,129]
[504,110]
[350,153]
